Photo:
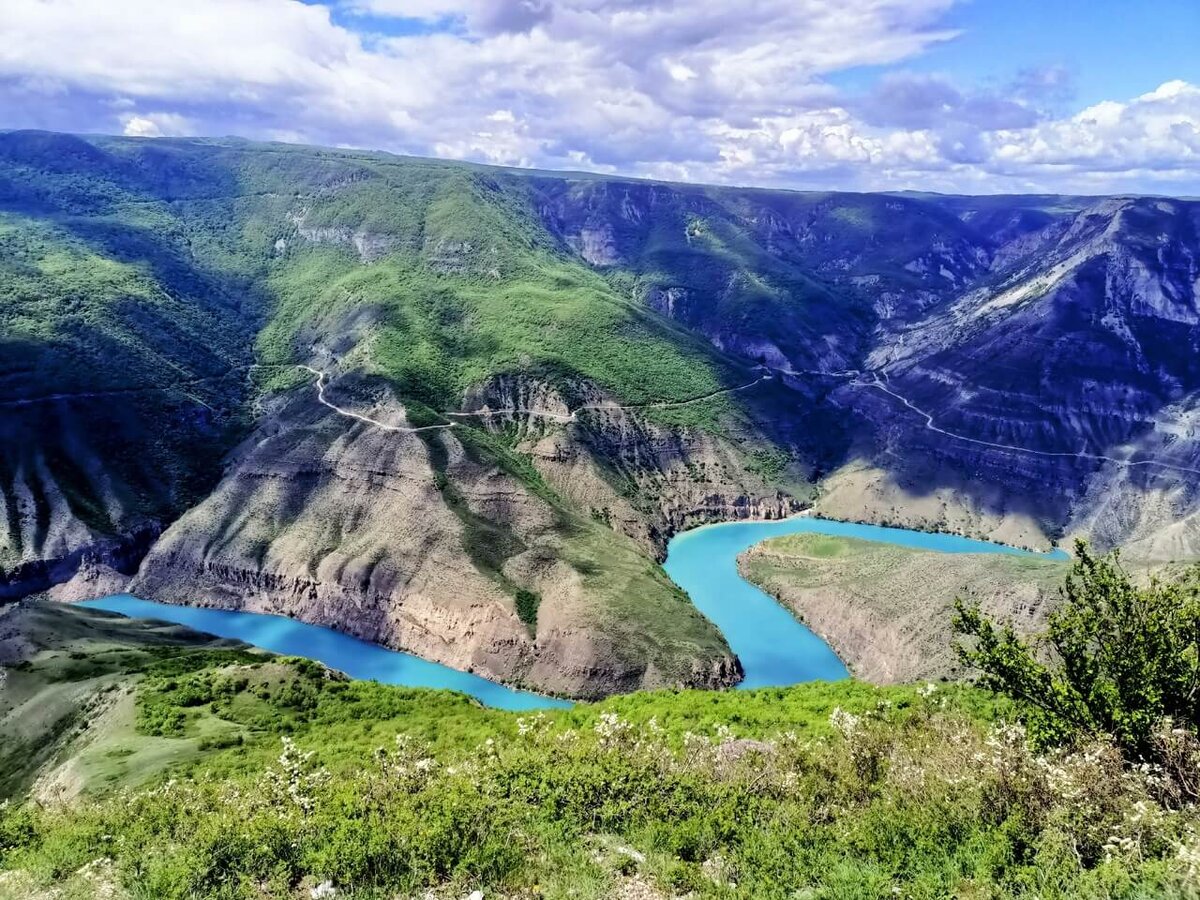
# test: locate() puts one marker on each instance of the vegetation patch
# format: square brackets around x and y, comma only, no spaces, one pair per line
[930,798]
[821,790]
[527,606]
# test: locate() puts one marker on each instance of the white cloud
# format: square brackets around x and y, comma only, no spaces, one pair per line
[702,89]
[140,126]
[1158,131]
[172,48]
[154,125]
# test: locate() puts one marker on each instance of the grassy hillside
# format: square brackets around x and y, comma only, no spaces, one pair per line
[142,279]
[156,273]
[468,285]
[267,778]
[67,670]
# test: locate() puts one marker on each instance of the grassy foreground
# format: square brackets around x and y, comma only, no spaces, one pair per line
[300,778]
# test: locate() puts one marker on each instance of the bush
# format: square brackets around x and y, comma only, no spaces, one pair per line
[922,803]
[527,606]
[221,742]
[1117,658]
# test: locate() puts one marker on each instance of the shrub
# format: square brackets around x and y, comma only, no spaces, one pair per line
[1116,659]
[527,606]
[922,803]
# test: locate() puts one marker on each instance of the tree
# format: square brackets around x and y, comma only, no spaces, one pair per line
[1116,658]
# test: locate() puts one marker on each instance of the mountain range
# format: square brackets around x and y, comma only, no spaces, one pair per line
[460,410]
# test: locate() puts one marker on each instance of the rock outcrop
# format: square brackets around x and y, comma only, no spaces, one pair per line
[645,479]
[414,541]
[1056,401]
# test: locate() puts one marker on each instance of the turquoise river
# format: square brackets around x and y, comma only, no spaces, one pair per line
[775,648]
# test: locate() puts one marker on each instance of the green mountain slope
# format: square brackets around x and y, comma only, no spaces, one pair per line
[122,376]
[216,268]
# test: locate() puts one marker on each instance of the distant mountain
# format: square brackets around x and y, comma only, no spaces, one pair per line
[1059,393]
[529,381]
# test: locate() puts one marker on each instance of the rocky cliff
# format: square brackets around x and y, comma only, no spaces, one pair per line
[420,540]
[1054,399]
[632,470]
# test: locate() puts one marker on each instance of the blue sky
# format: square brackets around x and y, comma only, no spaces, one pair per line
[949,95]
[1112,49]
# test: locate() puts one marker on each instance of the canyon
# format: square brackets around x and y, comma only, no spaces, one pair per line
[460,411]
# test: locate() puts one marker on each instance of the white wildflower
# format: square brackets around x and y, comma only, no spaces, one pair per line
[531,725]
[629,852]
[1188,855]
[844,722]
[612,729]
[297,777]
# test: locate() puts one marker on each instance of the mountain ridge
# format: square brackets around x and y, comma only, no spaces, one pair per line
[423,289]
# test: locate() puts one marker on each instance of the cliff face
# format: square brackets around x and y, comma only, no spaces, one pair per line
[726,264]
[89,479]
[620,466]
[1063,386]
[415,541]
[339,523]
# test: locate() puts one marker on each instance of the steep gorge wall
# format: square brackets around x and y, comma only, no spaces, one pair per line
[412,541]
[644,478]
[1057,400]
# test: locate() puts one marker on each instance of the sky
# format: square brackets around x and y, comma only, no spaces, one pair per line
[966,96]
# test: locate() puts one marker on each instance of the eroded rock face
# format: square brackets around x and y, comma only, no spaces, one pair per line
[65,506]
[1151,511]
[596,245]
[1026,398]
[406,540]
[52,545]
[368,245]
[646,480]
[338,523]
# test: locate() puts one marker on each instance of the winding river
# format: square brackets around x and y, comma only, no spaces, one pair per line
[775,649]
[357,658]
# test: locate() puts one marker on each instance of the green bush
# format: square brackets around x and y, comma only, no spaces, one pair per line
[527,606]
[1117,658]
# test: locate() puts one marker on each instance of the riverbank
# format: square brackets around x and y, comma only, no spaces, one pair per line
[886,609]
[794,631]
[357,658]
